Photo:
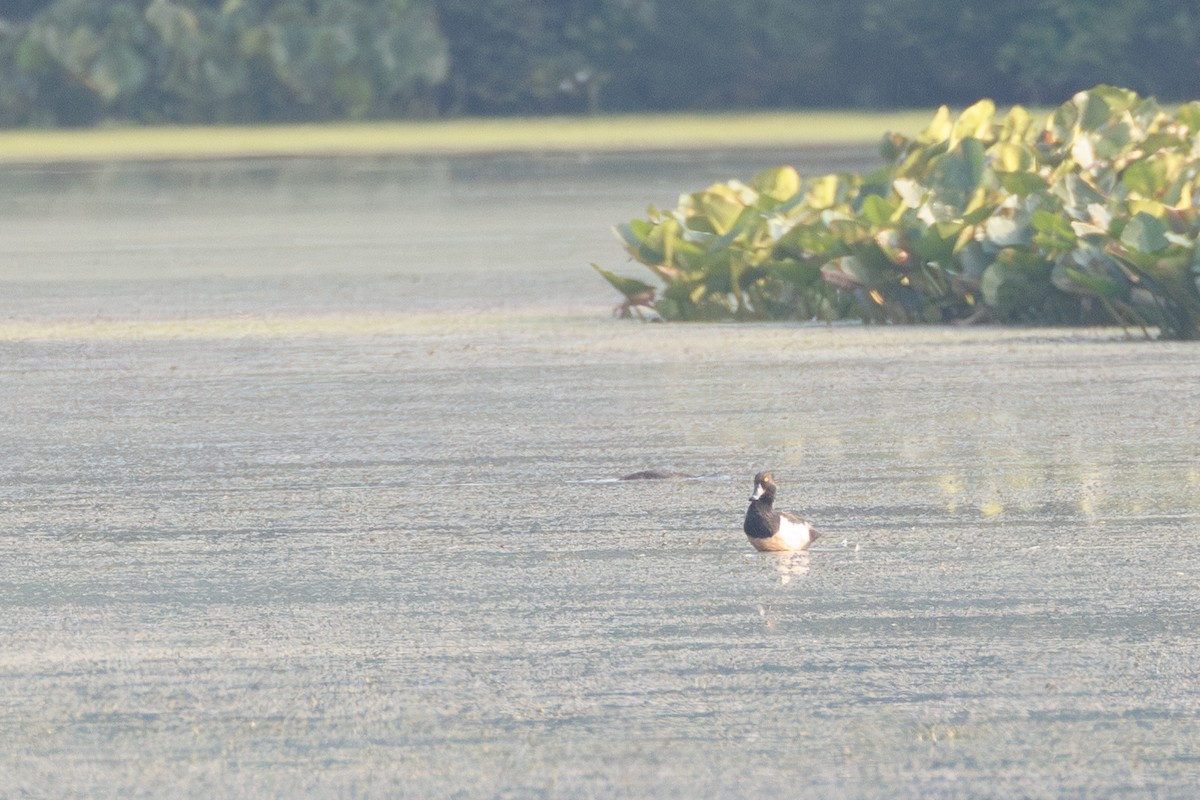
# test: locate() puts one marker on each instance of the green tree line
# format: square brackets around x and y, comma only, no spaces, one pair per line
[79,62]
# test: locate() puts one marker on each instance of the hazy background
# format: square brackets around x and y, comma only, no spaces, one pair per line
[79,62]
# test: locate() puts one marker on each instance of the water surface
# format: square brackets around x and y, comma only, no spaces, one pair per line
[307,491]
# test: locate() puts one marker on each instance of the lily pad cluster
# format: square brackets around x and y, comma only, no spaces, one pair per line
[1090,216]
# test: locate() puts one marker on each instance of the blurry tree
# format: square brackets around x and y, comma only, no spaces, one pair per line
[18,10]
[80,58]
[293,60]
[927,52]
[1149,45]
[523,56]
[81,61]
[714,54]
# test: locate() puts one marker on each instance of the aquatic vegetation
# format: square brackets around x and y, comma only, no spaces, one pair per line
[1088,217]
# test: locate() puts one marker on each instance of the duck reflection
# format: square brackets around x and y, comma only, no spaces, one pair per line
[787,566]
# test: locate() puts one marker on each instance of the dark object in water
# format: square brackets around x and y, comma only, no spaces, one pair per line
[653,475]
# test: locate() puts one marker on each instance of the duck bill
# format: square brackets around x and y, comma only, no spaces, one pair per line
[758,492]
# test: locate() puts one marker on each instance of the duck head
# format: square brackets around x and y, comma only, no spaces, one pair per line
[764,487]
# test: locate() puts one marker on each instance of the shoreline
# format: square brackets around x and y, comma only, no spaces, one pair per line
[617,133]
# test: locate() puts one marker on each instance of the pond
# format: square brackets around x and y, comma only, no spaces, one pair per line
[309,490]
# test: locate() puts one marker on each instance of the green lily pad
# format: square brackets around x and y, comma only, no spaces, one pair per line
[1145,234]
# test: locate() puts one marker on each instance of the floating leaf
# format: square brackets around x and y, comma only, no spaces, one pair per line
[630,287]
[1022,183]
[636,236]
[940,127]
[910,192]
[1153,176]
[825,192]
[1188,115]
[877,210]
[781,183]
[793,271]
[1007,232]
[1145,233]
[975,122]
[1015,284]
[1012,157]
[1052,232]
[957,173]
[1016,125]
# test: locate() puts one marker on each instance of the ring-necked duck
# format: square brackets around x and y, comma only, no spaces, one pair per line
[768,529]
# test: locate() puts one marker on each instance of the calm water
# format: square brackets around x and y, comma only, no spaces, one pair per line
[307,491]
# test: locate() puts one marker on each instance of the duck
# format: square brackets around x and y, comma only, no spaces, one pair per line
[770,530]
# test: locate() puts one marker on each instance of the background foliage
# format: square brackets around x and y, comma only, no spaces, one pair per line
[81,61]
[75,62]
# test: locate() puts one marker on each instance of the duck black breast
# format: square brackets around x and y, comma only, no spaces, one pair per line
[762,520]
